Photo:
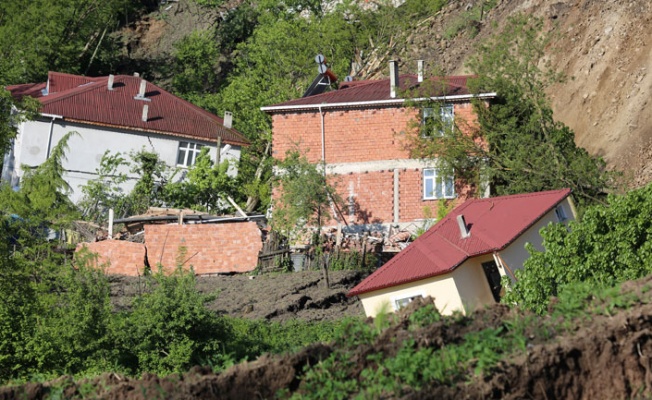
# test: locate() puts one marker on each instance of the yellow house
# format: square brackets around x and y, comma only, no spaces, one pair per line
[461,260]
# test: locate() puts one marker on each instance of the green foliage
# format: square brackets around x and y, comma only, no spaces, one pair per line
[206,188]
[517,146]
[147,191]
[65,36]
[104,192]
[170,329]
[528,150]
[196,58]
[611,244]
[305,195]
[43,191]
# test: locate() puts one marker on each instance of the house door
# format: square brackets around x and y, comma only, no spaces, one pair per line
[493,277]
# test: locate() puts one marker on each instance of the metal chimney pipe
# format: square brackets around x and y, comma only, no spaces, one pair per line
[393,78]
[228,119]
[464,229]
[110,83]
[145,112]
[420,70]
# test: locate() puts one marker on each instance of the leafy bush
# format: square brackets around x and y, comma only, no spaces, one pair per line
[612,244]
[170,329]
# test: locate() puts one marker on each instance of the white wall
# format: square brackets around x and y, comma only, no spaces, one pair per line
[464,289]
[86,149]
[515,254]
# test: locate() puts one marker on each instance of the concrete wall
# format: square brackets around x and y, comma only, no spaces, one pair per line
[86,150]
[208,248]
[464,289]
[365,149]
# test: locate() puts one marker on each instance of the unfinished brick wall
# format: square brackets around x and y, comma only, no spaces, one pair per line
[208,248]
[118,256]
[367,135]
[350,135]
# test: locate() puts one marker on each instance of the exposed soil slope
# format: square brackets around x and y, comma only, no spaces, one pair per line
[605,51]
[606,356]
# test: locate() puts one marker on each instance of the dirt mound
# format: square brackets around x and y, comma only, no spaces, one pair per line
[605,356]
[274,297]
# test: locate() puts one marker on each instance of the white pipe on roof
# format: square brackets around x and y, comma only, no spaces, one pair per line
[378,102]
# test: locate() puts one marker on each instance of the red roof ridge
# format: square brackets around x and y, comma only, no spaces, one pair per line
[66,94]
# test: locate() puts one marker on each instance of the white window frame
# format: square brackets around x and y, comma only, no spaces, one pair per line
[190,152]
[447,116]
[435,180]
[401,301]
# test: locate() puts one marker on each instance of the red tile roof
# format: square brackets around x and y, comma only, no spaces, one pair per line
[494,224]
[379,91]
[88,100]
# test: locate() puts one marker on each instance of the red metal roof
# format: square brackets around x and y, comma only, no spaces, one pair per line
[88,100]
[379,90]
[494,224]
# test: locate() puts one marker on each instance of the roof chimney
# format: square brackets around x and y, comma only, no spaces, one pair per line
[145,111]
[464,228]
[228,119]
[143,86]
[136,74]
[393,78]
[420,70]
[110,83]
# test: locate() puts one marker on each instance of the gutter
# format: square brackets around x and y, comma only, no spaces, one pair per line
[377,102]
[53,116]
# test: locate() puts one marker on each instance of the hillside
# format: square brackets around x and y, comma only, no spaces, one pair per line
[604,48]
[591,345]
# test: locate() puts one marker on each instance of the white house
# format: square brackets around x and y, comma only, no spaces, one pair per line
[116,113]
[460,261]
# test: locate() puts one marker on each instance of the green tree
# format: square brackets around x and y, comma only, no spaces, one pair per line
[170,329]
[517,146]
[148,191]
[205,188]
[66,36]
[611,244]
[305,196]
[104,192]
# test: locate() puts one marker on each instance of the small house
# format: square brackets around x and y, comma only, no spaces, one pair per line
[462,259]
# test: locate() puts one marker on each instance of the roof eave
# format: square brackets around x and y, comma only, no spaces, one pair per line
[133,128]
[386,102]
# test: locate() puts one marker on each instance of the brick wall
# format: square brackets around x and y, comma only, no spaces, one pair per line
[208,248]
[350,135]
[119,257]
[364,135]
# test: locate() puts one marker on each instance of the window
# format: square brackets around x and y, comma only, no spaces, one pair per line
[404,301]
[437,126]
[187,153]
[437,187]
[561,213]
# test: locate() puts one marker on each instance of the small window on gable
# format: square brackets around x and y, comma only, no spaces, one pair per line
[188,152]
[404,301]
[436,186]
[561,213]
[435,126]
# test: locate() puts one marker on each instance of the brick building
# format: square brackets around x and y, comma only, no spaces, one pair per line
[359,131]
